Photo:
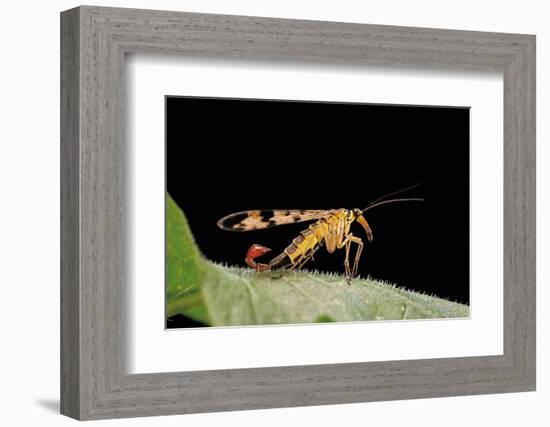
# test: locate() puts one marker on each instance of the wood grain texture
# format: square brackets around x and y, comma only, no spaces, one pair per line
[94,382]
[70,221]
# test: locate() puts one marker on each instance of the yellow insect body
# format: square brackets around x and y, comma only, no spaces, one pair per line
[307,241]
[331,230]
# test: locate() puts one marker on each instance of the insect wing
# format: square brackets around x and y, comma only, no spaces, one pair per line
[262,219]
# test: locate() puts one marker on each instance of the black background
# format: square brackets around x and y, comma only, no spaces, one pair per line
[228,155]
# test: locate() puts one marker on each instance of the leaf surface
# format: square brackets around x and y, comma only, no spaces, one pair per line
[227,296]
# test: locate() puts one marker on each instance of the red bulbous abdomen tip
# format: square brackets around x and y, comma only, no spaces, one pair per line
[256,250]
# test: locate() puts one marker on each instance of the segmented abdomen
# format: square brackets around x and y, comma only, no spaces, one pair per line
[303,245]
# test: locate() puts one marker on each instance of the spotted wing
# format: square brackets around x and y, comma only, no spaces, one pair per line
[262,219]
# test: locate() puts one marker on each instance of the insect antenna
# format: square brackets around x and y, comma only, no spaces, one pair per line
[384,202]
[380,201]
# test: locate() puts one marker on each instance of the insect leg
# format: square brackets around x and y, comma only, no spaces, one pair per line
[359,243]
[346,260]
[347,243]
[301,263]
[305,259]
[350,238]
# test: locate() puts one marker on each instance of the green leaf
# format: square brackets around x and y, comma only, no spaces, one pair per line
[184,267]
[235,296]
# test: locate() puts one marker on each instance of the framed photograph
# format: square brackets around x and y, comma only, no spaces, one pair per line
[326,156]
[347,210]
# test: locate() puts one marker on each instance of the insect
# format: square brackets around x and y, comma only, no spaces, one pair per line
[331,230]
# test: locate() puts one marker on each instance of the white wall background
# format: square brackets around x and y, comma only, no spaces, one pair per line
[29,214]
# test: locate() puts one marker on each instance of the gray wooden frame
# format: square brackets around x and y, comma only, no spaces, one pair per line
[94,41]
